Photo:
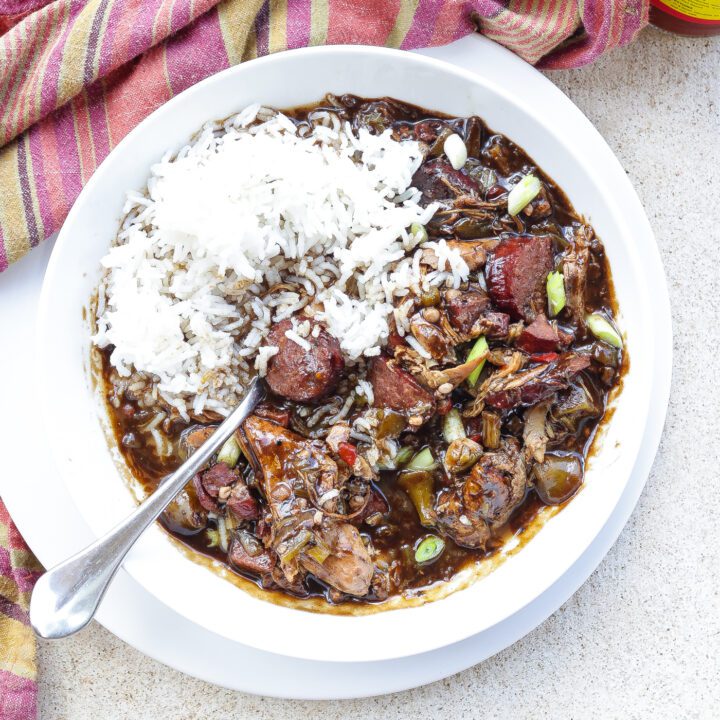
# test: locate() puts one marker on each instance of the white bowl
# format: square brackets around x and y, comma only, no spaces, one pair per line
[73,415]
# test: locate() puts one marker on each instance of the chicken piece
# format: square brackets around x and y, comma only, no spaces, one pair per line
[473,253]
[288,464]
[348,567]
[465,528]
[497,484]
[432,339]
[530,386]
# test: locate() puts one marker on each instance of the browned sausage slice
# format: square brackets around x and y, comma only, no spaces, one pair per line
[464,309]
[398,390]
[541,337]
[516,274]
[438,180]
[303,375]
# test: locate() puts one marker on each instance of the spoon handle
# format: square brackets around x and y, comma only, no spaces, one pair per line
[66,597]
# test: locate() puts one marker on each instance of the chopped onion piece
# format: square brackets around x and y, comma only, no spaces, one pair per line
[229,452]
[523,193]
[478,349]
[319,553]
[555,286]
[603,330]
[404,454]
[419,233]
[455,150]
[453,428]
[418,484]
[424,460]
[429,549]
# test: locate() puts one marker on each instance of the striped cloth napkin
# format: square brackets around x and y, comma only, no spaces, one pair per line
[78,75]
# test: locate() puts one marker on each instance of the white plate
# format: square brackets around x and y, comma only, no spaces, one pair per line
[397,630]
[54,529]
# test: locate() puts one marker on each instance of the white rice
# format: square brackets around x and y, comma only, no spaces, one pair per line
[190,294]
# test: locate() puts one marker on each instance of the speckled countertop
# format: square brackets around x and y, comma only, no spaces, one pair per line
[641,638]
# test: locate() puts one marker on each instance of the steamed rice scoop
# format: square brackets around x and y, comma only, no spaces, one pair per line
[256,222]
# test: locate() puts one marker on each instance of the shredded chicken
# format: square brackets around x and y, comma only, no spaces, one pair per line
[495,382]
[535,434]
[454,375]
[575,268]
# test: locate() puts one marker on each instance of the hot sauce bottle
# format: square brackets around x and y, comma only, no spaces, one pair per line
[686,17]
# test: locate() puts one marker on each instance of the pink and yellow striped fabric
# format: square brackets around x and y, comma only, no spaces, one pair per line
[18,572]
[77,75]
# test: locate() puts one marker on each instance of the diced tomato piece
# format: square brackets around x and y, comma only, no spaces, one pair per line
[544,357]
[347,452]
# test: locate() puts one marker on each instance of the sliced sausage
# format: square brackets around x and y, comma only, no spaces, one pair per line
[303,375]
[541,337]
[438,180]
[398,390]
[493,324]
[218,476]
[242,503]
[465,309]
[247,553]
[516,274]
[206,502]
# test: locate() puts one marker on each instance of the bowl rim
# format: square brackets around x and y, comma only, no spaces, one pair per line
[165,111]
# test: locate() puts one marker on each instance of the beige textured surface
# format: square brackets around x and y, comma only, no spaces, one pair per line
[641,639]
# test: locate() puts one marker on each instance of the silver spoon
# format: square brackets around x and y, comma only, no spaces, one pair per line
[66,597]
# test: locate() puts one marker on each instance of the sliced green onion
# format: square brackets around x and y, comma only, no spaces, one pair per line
[478,349]
[523,193]
[229,452]
[213,538]
[455,150]
[429,549]
[555,286]
[288,549]
[419,232]
[424,460]
[319,553]
[453,428]
[404,454]
[603,330]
